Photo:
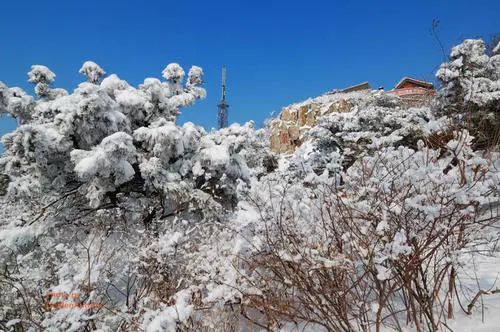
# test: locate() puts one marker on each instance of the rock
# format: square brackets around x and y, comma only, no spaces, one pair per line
[303,130]
[285,114]
[284,138]
[294,121]
[332,108]
[275,142]
[302,115]
[311,119]
[289,148]
[288,115]
[340,106]
[315,108]
[344,106]
[294,132]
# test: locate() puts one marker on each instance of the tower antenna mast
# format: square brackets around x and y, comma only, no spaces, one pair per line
[222,117]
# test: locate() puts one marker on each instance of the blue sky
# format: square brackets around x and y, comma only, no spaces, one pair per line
[276,52]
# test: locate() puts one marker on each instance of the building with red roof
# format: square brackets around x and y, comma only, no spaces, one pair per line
[410,88]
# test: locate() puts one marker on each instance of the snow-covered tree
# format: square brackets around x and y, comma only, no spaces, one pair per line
[107,164]
[470,93]
[471,77]
[87,119]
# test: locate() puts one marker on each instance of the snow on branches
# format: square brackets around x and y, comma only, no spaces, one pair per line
[95,117]
[471,76]
[92,70]
[108,165]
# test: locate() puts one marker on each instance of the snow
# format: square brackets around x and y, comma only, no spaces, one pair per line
[113,158]
[163,138]
[470,75]
[112,83]
[496,49]
[166,318]
[174,72]
[197,169]
[216,155]
[195,76]
[92,70]
[40,74]
[129,98]
[12,322]
[18,237]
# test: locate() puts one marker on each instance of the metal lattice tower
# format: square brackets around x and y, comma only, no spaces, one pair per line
[223,106]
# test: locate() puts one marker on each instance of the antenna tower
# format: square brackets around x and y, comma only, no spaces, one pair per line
[223,106]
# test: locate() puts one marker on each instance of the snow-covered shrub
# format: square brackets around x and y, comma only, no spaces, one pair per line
[368,129]
[106,167]
[17,103]
[343,256]
[227,157]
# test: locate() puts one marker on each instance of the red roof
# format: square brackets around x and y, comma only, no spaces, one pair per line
[405,80]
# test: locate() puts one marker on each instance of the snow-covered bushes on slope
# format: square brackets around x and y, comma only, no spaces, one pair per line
[344,256]
[384,243]
[365,130]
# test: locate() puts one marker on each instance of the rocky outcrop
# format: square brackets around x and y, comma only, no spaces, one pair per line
[288,130]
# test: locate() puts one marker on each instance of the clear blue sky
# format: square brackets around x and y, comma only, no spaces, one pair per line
[276,52]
